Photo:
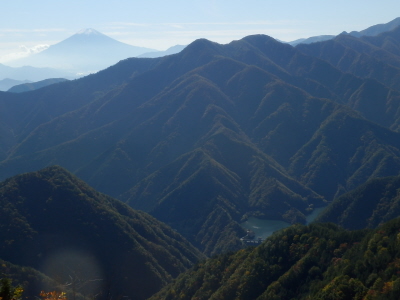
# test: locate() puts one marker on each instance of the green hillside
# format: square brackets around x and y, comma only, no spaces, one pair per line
[319,261]
[251,128]
[55,223]
[367,206]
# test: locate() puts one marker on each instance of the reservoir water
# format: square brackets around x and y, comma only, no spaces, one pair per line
[264,228]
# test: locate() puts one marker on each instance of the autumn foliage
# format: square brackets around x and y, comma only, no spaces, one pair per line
[54,295]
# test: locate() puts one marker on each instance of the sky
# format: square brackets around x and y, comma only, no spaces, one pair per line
[28,26]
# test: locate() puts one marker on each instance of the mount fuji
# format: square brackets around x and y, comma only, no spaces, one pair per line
[84,52]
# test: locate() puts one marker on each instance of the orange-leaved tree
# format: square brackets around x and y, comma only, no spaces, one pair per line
[54,295]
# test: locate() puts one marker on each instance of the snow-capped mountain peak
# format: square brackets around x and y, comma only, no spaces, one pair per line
[88,31]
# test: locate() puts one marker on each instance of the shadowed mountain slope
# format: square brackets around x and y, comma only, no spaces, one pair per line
[55,223]
[367,206]
[32,281]
[319,261]
[255,127]
[367,57]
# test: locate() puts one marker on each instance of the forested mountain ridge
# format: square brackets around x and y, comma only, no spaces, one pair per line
[55,223]
[31,86]
[367,206]
[254,127]
[376,58]
[31,281]
[370,31]
[319,261]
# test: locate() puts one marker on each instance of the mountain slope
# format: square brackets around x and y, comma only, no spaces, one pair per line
[321,79]
[319,261]
[31,280]
[367,206]
[121,99]
[370,31]
[377,29]
[169,51]
[368,57]
[7,83]
[31,86]
[269,128]
[54,222]
[22,114]
[208,122]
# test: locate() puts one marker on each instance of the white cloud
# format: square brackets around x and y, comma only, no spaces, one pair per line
[22,52]
[34,49]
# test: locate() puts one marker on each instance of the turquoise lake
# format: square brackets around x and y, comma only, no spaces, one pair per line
[264,228]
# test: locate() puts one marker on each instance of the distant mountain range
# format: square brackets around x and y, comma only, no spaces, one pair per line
[89,51]
[31,86]
[32,74]
[207,137]
[7,83]
[370,31]
[84,52]
[172,50]
[200,141]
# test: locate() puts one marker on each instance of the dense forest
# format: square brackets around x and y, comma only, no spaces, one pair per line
[207,137]
[55,228]
[319,261]
[122,183]
[368,206]
[53,214]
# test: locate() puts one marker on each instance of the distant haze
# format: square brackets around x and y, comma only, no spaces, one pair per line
[86,51]
[370,31]
[163,24]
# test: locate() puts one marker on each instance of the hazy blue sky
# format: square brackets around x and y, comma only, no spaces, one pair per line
[25,25]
